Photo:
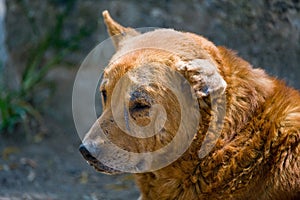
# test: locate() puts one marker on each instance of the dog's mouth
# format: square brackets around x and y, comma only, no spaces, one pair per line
[98,166]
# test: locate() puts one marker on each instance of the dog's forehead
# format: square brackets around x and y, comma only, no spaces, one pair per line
[137,73]
[159,45]
[161,39]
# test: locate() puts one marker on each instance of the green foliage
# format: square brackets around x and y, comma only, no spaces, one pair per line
[19,106]
[15,110]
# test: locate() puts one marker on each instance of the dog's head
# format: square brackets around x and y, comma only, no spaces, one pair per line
[142,91]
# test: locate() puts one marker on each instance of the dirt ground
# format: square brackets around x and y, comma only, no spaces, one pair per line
[49,166]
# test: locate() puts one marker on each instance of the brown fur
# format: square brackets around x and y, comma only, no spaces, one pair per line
[257,155]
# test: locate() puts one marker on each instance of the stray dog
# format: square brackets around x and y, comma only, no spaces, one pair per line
[257,152]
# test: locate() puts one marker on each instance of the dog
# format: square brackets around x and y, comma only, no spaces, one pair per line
[254,155]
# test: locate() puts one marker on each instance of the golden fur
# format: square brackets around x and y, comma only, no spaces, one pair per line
[257,155]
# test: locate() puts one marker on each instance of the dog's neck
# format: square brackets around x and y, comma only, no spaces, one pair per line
[247,91]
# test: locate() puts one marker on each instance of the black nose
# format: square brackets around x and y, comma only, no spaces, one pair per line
[86,154]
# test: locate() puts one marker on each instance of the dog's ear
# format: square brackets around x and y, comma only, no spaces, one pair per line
[117,31]
[204,77]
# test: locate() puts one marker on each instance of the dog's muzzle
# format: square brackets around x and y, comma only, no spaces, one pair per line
[91,160]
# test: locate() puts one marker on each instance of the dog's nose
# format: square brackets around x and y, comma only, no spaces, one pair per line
[85,153]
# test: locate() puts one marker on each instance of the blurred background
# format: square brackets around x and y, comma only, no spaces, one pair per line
[42,44]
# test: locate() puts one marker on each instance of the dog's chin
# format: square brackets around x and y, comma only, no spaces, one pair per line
[94,162]
[100,167]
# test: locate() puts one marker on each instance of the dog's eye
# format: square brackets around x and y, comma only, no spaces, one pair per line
[138,106]
[140,100]
[104,95]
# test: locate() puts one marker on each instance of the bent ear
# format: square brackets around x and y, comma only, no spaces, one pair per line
[117,31]
[204,77]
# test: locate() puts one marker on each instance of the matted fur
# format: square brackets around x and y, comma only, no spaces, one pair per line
[257,155]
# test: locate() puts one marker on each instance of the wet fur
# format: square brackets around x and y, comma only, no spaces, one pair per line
[257,155]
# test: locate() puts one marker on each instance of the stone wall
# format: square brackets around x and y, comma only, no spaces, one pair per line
[3,53]
[266,32]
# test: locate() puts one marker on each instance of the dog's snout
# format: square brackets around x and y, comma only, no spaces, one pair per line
[85,153]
